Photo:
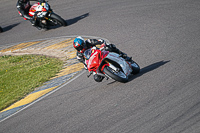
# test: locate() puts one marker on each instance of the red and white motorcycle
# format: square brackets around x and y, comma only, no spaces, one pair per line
[45,15]
[109,64]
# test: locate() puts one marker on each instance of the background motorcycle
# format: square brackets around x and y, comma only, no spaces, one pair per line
[1,30]
[109,64]
[45,15]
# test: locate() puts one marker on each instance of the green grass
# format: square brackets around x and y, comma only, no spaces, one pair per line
[20,75]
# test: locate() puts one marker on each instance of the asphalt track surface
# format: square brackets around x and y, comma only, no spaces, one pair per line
[162,36]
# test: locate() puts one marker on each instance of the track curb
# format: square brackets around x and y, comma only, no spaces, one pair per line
[49,47]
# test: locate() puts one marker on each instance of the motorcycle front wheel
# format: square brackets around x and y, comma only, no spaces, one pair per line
[135,68]
[116,75]
[57,20]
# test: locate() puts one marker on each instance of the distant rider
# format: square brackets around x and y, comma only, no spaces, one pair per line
[23,7]
[81,45]
[1,30]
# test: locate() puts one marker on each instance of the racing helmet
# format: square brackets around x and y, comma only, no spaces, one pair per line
[79,44]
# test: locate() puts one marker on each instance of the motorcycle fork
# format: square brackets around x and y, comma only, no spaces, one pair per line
[49,14]
[47,18]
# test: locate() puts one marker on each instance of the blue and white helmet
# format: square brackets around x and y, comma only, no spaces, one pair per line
[79,43]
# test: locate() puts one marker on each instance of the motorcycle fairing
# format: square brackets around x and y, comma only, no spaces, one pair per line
[119,60]
[33,9]
[94,60]
[39,7]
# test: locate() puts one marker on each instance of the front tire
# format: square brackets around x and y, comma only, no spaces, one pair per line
[57,20]
[135,68]
[118,76]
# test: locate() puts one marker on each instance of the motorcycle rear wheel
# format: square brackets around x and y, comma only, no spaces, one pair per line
[118,76]
[57,20]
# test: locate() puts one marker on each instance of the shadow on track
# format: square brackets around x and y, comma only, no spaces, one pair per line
[145,70]
[71,21]
[148,69]
[76,19]
[7,28]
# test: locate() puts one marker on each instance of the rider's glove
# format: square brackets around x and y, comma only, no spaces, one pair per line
[101,41]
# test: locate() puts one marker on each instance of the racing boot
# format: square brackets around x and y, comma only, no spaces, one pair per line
[98,78]
[33,19]
[113,48]
[85,66]
[36,25]
[123,55]
[34,22]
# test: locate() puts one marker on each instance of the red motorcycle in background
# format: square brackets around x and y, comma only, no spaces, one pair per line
[109,64]
[45,15]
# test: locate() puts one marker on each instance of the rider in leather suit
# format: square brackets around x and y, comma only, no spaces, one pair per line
[23,7]
[81,45]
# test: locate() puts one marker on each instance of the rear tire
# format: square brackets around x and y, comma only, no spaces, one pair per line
[118,76]
[58,20]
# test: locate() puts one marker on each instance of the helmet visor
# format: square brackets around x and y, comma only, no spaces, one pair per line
[79,48]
